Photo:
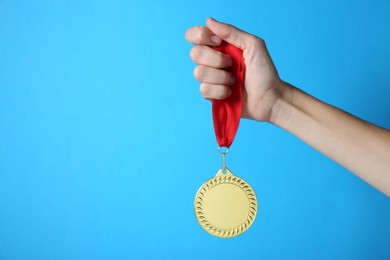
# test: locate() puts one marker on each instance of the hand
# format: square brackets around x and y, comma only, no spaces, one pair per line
[263,87]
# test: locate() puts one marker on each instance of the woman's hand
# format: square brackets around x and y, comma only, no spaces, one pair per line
[262,87]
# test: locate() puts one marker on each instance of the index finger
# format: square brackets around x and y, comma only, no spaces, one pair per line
[201,35]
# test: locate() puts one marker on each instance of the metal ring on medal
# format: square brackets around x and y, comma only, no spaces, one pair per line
[226,205]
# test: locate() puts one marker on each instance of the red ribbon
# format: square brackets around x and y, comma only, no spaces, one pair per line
[227,112]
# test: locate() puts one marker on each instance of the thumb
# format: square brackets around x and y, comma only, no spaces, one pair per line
[230,33]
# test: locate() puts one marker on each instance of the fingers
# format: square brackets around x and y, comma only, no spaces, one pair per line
[204,55]
[231,34]
[215,82]
[211,91]
[214,76]
[201,35]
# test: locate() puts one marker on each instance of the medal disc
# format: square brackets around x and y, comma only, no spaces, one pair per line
[225,205]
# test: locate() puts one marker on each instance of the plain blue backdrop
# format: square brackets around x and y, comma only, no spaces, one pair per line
[105,139]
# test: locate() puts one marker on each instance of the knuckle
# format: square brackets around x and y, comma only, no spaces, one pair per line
[223,61]
[202,34]
[222,94]
[196,34]
[209,91]
[195,53]
[225,92]
[204,90]
[187,34]
[198,72]
[227,32]
[257,42]
[220,60]
[190,34]
[227,78]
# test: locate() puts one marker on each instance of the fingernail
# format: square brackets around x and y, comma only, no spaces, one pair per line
[215,39]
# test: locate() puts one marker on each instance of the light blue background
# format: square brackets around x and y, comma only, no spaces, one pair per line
[105,139]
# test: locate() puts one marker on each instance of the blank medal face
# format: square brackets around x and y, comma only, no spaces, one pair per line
[226,205]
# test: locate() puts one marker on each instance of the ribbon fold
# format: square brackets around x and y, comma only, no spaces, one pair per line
[227,112]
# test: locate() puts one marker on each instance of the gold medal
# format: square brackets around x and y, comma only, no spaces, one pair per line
[226,205]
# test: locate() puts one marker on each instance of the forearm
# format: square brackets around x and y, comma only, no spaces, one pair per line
[359,146]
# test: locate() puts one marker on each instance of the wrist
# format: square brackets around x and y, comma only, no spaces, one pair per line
[282,107]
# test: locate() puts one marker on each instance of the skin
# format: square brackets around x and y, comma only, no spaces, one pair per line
[359,146]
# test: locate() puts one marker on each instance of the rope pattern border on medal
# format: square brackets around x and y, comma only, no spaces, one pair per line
[225,233]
